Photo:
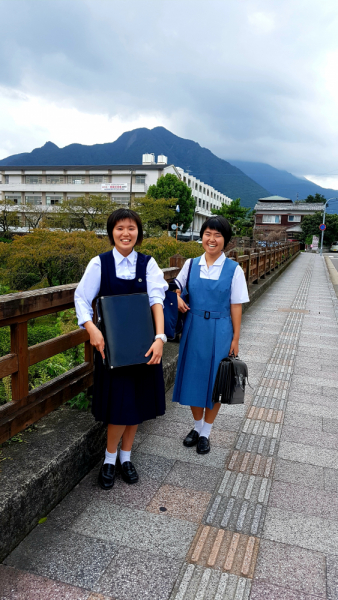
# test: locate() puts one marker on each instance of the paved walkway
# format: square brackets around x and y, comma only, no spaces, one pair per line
[256,518]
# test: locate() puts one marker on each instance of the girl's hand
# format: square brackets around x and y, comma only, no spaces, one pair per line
[157,349]
[234,348]
[182,306]
[95,337]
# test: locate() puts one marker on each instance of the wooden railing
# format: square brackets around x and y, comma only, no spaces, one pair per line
[28,406]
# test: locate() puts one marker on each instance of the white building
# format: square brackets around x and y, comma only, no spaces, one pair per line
[48,186]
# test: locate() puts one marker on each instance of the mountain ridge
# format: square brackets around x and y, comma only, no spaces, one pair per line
[281,181]
[130,146]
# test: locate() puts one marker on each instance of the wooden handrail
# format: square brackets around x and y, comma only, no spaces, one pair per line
[16,310]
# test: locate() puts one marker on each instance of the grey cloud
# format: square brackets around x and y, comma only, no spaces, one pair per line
[239,77]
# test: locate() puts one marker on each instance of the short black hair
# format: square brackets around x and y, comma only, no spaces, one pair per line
[119,215]
[218,223]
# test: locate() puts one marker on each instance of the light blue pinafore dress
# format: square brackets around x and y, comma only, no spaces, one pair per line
[207,336]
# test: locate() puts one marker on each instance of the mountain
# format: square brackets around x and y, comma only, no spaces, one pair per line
[130,146]
[282,183]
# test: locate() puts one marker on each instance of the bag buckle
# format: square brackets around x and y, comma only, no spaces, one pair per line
[206,314]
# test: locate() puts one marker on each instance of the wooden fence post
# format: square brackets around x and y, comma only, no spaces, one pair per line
[19,346]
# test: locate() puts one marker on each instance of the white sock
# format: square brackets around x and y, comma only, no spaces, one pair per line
[198,425]
[110,458]
[205,432]
[124,456]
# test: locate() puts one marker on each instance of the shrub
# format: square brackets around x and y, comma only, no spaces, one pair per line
[164,247]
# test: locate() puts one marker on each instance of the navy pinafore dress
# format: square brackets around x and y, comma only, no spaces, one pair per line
[206,337]
[126,395]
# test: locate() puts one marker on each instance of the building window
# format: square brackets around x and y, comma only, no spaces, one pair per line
[200,188]
[36,200]
[207,192]
[54,179]
[51,200]
[121,200]
[33,179]
[76,179]
[6,178]
[203,206]
[199,202]
[189,182]
[294,218]
[16,199]
[196,186]
[98,179]
[184,179]
[271,219]
[140,179]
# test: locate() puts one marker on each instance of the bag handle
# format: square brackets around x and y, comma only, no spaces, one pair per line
[189,271]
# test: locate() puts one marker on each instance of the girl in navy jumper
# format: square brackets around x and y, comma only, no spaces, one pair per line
[126,396]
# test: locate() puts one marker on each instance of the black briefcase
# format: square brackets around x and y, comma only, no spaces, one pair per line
[127,327]
[231,378]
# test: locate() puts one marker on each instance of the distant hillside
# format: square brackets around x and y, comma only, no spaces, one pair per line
[282,183]
[130,146]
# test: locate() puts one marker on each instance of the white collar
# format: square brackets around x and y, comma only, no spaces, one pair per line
[217,263]
[131,258]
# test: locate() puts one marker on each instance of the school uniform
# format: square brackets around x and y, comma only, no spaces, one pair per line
[208,331]
[133,394]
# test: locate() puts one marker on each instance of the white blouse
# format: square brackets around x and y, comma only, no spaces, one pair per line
[239,289]
[90,283]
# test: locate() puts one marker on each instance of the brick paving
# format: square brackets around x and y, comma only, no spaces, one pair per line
[256,518]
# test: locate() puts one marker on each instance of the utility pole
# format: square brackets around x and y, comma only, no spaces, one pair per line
[324,213]
[131,186]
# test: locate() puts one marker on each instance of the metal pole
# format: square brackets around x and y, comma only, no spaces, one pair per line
[322,237]
[192,226]
[131,186]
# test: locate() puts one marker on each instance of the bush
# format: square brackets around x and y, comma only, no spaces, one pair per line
[164,247]
[42,333]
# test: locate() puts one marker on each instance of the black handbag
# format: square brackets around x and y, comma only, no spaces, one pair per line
[231,378]
[185,297]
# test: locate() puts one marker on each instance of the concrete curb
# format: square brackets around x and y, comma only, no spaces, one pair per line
[62,448]
[332,273]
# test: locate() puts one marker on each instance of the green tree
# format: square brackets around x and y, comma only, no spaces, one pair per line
[85,212]
[316,199]
[155,214]
[47,258]
[34,215]
[170,187]
[310,226]
[8,216]
[240,218]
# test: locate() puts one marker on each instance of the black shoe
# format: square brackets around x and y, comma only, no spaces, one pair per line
[107,476]
[203,445]
[191,439]
[128,472]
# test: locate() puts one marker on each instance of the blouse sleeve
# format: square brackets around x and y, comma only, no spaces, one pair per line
[87,290]
[156,284]
[239,289]
[181,279]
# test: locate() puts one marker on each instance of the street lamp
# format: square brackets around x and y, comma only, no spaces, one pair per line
[324,213]
[177,210]
[192,224]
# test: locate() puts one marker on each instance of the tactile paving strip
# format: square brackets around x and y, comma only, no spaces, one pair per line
[222,558]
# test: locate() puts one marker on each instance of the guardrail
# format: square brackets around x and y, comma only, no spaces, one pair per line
[27,407]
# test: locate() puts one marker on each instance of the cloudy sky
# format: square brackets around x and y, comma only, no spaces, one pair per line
[249,79]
